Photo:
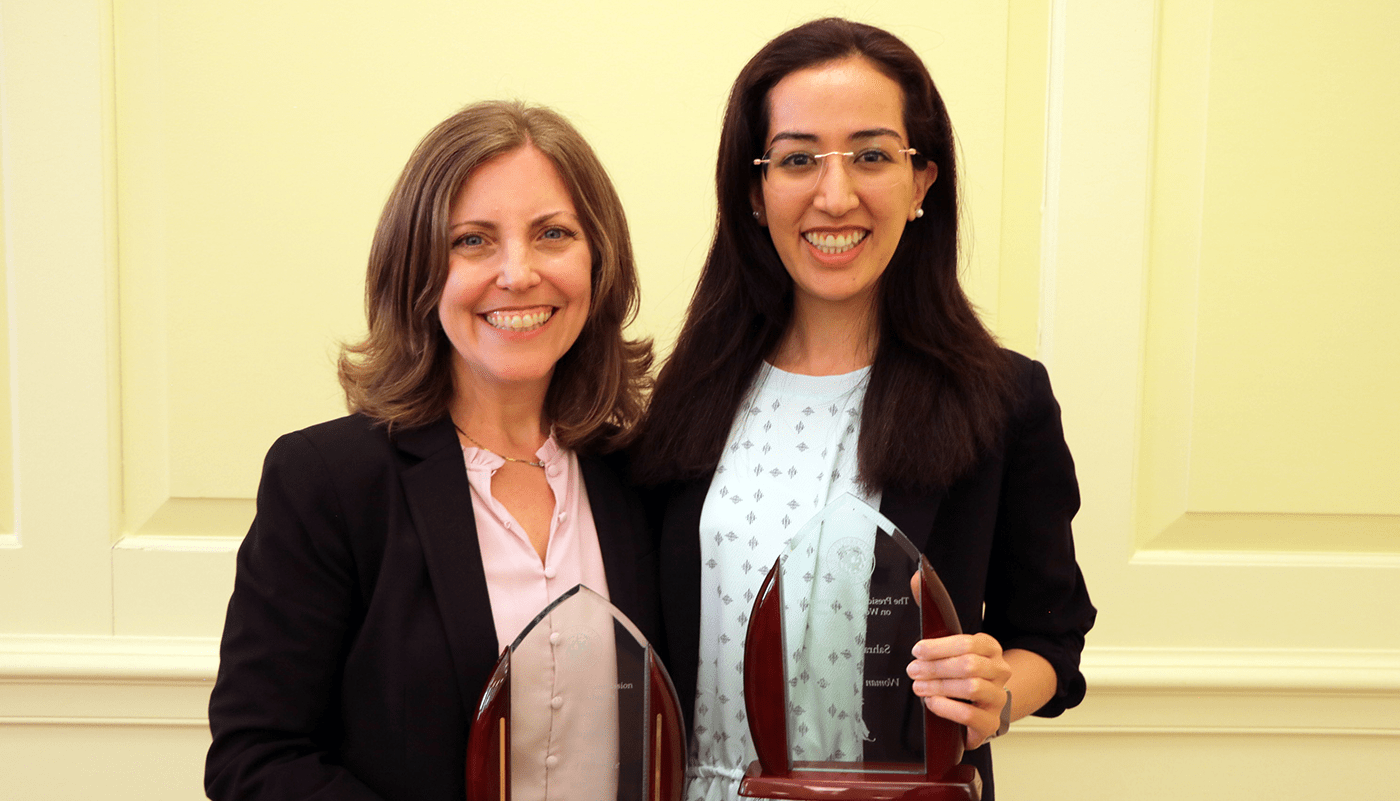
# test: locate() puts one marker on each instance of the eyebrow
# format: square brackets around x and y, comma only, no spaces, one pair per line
[540,220]
[865,133]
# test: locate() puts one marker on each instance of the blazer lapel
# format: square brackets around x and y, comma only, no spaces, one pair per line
[439,498]
[680,582]
[914,514]
[616,537]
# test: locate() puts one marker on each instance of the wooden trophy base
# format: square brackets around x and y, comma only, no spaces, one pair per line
[960,783]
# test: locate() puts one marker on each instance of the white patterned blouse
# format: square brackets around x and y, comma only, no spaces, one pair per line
[792,449]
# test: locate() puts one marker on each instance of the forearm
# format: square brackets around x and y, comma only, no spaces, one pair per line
[1032,681]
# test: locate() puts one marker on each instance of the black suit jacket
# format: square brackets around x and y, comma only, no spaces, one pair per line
[360,633]
[998,536]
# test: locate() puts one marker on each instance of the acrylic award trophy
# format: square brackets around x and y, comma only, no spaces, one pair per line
[828,698]
[579,704]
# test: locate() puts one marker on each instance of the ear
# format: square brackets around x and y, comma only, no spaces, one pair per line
[923,179]
[756,200]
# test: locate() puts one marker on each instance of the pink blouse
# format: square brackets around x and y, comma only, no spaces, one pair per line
[563,710]
[519,584]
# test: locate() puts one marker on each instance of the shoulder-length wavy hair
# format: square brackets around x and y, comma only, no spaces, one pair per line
[400,374]
[939,388]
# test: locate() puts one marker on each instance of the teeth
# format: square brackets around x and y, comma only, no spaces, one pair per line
[518,321]
[833,243]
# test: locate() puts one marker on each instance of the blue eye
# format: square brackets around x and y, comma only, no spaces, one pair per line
[556,233]
[469,240]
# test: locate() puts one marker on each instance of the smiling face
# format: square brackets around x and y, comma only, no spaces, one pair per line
[518,282]
[836,234]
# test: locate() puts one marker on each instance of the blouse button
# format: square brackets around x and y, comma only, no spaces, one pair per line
[563,516]
[555,637]
[553,470]
[551,761]
[549,572]
[557,701]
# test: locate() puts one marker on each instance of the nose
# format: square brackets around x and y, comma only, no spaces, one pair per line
[518,271]
[836,192]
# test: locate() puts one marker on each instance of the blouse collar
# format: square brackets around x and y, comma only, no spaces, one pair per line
[481,459]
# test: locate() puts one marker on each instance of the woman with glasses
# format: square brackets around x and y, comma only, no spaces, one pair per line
[396,551]
[829,349]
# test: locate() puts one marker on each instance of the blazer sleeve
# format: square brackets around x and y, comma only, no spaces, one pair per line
[273,711]
[1036,598]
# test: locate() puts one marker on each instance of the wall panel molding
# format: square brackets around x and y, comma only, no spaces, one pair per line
[1243,669]
[108,660]
[105,723]
[213,518]
[1234,691]
[7,432]
[59,270]
[172,585]
[1275,532]
[165,681]
[1223,463]
[1326,560]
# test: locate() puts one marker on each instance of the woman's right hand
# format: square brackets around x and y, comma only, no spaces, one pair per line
[963,678]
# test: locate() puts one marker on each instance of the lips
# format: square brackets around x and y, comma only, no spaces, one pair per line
[518,320]
[832,244]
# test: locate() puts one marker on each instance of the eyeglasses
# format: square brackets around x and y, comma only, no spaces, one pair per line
[790,168]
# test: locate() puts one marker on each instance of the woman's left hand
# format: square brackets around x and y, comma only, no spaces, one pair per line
[963,678]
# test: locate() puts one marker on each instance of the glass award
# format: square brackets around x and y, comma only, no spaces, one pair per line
[579,707]
[830,705]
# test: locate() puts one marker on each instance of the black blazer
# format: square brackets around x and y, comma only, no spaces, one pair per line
[998,536]
[360,634]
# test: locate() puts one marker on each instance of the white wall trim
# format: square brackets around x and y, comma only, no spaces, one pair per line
[107,659]
[1265,670]
[1271,670]
[164,682]
[172,543]
[1291,559]
[7,205]
[1050,198]
[1038,726]
[160,723]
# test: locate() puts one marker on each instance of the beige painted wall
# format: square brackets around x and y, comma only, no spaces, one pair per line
[1182,208]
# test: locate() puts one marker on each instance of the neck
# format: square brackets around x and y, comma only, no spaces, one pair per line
[827,339]
[510,423]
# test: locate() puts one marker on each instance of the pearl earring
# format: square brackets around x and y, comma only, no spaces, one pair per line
[755,215]
[919,212]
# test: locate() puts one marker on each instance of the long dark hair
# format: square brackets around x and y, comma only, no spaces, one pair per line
[939,388]
[400,374]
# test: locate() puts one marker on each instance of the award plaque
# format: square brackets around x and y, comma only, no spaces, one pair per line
[579,706]
[826,688]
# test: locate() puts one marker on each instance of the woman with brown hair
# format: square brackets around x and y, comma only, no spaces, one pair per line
[397,550]
[830,349]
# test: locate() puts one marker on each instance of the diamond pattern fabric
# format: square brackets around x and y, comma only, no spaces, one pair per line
[792,448]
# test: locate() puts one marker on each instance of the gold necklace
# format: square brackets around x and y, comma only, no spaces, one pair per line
[488,450]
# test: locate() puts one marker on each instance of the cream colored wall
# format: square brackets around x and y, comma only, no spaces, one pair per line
[1181,210]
